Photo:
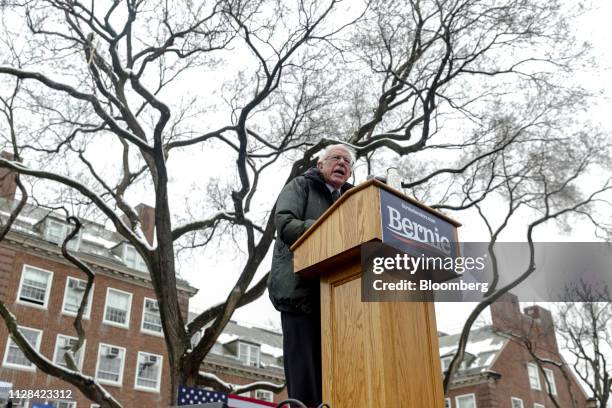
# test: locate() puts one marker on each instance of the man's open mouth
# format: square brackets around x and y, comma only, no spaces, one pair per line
[340,172]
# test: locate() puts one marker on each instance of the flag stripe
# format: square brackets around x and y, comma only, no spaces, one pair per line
[238,401]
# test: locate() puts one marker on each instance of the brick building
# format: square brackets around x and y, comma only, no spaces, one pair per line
[124,348]
[244,354]
[499,371]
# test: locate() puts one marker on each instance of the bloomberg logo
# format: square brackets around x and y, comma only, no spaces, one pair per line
[413,230]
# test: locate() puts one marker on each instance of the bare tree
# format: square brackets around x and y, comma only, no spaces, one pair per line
[438,82]
[547,187]
[586,331]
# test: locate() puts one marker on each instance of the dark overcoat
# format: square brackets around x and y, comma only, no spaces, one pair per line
[299,204]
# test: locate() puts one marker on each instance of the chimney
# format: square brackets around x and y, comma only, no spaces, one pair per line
[506,313]
[8,185]
[146,215]
[545,326]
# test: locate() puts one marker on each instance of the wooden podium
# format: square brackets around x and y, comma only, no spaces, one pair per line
[374,354]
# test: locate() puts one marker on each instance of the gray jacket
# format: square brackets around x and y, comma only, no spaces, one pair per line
[299,204]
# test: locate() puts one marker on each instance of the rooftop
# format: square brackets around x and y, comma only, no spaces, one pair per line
[38,226]
[483,347]
[247,345]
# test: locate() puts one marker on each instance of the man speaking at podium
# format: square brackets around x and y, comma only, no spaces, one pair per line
[299,204]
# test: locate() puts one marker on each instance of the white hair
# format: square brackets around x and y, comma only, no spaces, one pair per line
[329,148]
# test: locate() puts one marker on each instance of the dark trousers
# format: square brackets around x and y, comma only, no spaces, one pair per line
[302,356]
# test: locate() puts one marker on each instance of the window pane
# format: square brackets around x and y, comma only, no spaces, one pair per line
[117,307]
[74,293]
[466,401]
[14,355]
[118,299]
[34,286]
[133,259]
[63,344]
[264,395]
[550,377]
[534,378]
[254,357]
[243,353]
[115,315]
[109,365]
[151,319]
[248,354]
[61,404]
[517,403]
[149,366]
[446,363]
[56,232]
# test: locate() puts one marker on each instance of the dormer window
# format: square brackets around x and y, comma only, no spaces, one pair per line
[445,362]
[57,231]
[132,259]
[248,354]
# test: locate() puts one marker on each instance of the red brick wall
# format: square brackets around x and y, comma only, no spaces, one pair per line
[52,322]
[482,392]
[514,382]
[7,259]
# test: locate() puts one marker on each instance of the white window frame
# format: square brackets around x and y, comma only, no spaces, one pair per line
[72,404]
[61,226]
[269,395]
[73,244]
[516,399]
[249,346]
[536,405]
[550,379]
[445,361]
[142,321]
[458,397]
[139,264]
[94,406]
[119,382]
[128,314]
[10,341]
[47,290]
[532,369]
[20,402]
[57,358]
[447,403]
[160,363]
[87,312]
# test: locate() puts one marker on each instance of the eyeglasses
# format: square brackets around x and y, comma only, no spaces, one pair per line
[336,159]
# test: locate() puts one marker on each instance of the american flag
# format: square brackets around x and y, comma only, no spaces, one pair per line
[192,396]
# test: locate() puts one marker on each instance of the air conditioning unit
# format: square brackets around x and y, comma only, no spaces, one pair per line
[152,360]
[68,343]
[113,352]
[78,285]
[154,307]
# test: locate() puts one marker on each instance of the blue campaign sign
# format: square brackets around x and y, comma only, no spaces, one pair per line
[415,231]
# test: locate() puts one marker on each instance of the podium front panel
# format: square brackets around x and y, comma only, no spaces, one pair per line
[375,355]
